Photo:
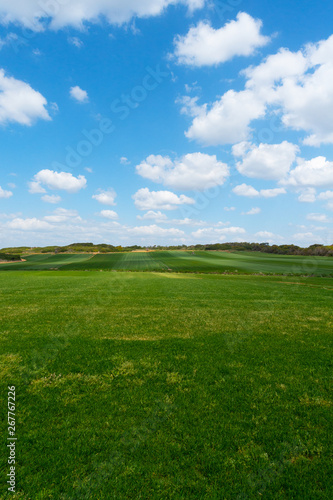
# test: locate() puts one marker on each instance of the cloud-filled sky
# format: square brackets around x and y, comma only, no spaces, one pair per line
[166,122]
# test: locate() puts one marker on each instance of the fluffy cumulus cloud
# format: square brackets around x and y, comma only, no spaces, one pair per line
[227,120]
[159,200]
[78,94]
[153,215]
[266,161]
[205,46]
[109,214]
[51,198]
[37,14]
[36,188]
[317,172]
[296,85]
[20,103]
[326,195]
[56,180]
[251,192]
[214,233]
[106,197]
[32,224]
[275,68]
[195,171]
[307,195]
[253,211]
[4,193]
[299,85]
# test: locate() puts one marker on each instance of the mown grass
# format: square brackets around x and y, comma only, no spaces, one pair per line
[39,262]
[168,386]
[181,261]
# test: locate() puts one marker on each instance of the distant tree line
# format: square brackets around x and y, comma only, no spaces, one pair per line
[317,249]
[275,249]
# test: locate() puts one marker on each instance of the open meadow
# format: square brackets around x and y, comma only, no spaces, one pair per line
[179,261]
[165,385]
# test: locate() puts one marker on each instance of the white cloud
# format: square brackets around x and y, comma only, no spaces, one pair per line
[124,160]
[228,119]
[271,193]
[205,46]
[161,218]
[74,40]
[53,198]
[56,180]
[229,209]
[245,190]
[37,15]
[65,211]
[109,214]
[195,171]
[276,67]
[152,215]
[264,234]
[308,195]
[317,172]
[318,217]
[253,211]
[308,237]
[106,197]
[299,85]
[155,231]
[308,101]
[293,85]
[63,215]
[159,200]
[35,188]
[55,218]
[327,195]
[209,233]
[187,222]
[266,161]
[4,193]
[32,224]
[78,94]
[251,192]
[20,103]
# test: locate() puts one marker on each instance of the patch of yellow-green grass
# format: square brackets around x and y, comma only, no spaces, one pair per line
[131,385]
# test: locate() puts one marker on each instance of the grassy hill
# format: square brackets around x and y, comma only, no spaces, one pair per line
[180,261]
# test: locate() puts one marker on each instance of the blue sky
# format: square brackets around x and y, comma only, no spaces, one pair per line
[178,121]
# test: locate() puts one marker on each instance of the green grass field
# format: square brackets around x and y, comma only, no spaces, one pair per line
[165,385]
[180,261]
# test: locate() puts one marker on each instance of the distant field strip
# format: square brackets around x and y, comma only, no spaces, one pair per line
[180,261]
[39,262]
